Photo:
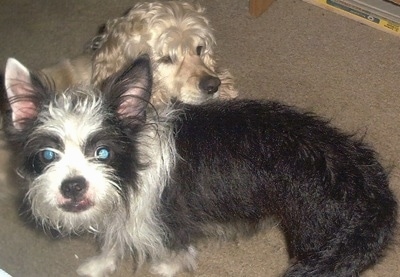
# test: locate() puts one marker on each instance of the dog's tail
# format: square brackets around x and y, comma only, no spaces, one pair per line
[70,72]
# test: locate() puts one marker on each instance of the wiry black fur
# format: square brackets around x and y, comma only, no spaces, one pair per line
[242,161]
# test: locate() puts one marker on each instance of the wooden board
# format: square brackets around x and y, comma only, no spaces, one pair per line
[257,7]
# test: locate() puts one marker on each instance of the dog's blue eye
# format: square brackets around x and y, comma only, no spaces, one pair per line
[43,159]
[102,153]
[48,155]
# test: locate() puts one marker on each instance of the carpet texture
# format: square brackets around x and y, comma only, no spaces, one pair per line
[295,52]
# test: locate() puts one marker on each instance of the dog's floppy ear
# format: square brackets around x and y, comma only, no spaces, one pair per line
[130,89]
[20,93]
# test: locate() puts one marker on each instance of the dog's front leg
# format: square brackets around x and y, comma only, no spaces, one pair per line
[102,265]
[175,262]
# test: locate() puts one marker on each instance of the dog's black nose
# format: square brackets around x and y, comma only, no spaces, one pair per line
[73,188]
[209,84]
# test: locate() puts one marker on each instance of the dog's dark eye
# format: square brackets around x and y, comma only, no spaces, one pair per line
[199,50]
[166,60]
[103,153]
[43,159]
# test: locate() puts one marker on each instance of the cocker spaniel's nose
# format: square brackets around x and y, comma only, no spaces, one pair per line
[209,84]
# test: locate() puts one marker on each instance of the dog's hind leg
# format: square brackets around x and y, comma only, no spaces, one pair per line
[349,253]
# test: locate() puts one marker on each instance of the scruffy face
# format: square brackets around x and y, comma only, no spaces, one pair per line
[76,153]
[74,159]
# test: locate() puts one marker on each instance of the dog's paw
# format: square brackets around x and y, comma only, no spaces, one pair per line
[165,270]
[98,266]
[177,262]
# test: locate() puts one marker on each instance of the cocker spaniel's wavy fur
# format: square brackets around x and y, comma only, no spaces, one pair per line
[180,42]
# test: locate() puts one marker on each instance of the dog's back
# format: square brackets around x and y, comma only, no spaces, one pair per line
[243,161]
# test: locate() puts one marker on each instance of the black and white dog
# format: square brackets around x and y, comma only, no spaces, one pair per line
[153,183]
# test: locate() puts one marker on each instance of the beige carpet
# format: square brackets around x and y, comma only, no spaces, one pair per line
[295,52]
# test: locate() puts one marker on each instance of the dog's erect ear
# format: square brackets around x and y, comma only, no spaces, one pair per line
[20,93]
[130,89]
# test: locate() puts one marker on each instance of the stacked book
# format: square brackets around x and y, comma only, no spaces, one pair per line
[380,14]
